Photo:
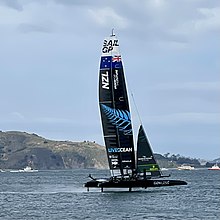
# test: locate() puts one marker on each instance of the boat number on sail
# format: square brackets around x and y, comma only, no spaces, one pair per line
[109,45]
[105,80]
[120,150]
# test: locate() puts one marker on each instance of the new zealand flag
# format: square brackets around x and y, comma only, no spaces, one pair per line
[116,62]
[111,62]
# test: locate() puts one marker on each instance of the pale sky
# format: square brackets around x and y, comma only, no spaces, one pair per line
[49,59]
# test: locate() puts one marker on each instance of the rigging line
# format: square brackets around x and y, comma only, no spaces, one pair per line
[135,106]
[132,97]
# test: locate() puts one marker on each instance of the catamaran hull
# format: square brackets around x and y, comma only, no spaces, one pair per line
[133,183]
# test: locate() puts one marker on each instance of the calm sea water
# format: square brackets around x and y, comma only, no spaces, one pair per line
[61,195]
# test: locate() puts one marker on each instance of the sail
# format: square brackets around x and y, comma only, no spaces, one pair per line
[114,110]
[146,162]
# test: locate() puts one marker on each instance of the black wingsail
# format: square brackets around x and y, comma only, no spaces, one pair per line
[114,110]
[146,163]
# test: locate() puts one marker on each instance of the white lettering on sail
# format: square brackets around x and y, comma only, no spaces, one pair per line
[144,158]
[120,150]
[126,161]
[116,79]
[105,80]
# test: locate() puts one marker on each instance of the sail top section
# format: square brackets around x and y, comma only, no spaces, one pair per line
[110,46]
[111,57]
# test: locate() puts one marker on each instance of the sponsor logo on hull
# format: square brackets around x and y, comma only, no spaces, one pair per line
[161,183]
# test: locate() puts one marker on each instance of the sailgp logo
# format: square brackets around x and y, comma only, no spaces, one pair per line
[120,150]
[105,80]
[109,45]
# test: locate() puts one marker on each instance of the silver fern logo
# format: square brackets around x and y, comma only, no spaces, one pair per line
[120,118]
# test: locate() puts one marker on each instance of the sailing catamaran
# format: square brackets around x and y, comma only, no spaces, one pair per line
[127,170]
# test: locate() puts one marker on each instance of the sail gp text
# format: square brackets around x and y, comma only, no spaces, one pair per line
[120,150]
[109,45]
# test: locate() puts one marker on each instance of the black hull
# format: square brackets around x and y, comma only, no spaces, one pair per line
[133,183]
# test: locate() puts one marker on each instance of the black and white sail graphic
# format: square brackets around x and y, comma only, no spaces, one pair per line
[146,162]
[114,109]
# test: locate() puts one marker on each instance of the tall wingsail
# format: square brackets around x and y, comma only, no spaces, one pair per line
[114,109]
[146,163]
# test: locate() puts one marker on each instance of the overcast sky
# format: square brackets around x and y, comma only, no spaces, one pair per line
[49,59]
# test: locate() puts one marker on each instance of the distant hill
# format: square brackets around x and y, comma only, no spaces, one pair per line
[18,149]
[216,161]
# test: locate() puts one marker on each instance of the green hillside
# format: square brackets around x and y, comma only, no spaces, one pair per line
[18,149]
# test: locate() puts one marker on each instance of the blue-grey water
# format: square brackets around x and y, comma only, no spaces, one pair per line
[61,195]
